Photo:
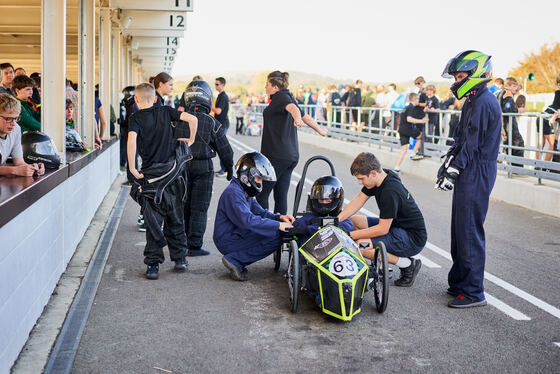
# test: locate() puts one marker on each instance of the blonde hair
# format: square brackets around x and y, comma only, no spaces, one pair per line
[8,103]
[431,87]
[145,92]
[279,79]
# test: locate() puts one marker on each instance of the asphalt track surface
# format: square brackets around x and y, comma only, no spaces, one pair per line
[203,322]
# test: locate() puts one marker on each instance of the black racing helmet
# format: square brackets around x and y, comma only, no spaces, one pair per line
[326,187]
[38,147]
[252,165]
[74,141]
[128,91]
[198,97]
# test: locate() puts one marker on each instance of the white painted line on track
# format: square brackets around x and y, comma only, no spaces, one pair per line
[500,305]
[558,344]
[490,277]
[427,262]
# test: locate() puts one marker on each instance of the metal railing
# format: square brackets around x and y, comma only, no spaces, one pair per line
[379,126]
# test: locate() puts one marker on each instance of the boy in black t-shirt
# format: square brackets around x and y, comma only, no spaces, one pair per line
[158,188]
[433,118]
[412,116]
[400,225]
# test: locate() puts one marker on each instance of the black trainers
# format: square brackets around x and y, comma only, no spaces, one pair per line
[152,272]
[453,292]
[235,272]
[462,301]
[408,275]
[193,252]
[142,227]
[181,265]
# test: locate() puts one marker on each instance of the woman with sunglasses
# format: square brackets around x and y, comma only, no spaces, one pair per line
[279,141]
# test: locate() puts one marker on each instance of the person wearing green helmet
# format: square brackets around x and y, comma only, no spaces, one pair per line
[470,171]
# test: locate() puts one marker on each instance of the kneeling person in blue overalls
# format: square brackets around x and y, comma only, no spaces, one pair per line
[400,225]
[324,200]
[244,232]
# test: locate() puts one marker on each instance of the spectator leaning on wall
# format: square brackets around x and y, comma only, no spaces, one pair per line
[10,140]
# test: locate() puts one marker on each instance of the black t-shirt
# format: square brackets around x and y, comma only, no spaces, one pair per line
[222,102]
[407,128]
[156,143]
[355,97]
[395,202]
[334,98]
[422,97]
[433,103]
[279,139]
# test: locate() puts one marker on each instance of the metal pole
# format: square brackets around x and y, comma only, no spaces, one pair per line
[509,145]
[53,71]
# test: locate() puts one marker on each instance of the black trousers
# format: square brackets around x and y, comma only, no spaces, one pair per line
[516,140]
[225,126]
[239,125]
[283,170]
[200,178]
[168,213]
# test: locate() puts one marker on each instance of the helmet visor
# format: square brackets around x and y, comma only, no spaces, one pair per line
[456,65]
[265,170]
[321,192]
[44,148]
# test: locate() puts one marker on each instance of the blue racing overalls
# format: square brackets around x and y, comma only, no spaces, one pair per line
[477,143]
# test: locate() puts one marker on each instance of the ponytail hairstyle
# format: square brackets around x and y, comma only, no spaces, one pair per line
[161,78]
[278,79]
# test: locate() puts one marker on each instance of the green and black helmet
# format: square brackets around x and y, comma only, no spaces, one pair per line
[476,64]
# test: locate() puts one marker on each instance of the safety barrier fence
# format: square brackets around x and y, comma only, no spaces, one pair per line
[379,126]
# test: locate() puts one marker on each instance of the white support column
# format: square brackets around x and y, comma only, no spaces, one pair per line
[130,66]
[86,70]
[115,76]
[53,70]
[105,67]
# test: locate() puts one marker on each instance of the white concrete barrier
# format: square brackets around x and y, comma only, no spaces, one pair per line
[37,244]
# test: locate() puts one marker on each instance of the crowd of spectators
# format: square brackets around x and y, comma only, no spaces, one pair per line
[20,111]
[346,106]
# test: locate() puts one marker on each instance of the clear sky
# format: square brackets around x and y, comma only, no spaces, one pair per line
[368,39]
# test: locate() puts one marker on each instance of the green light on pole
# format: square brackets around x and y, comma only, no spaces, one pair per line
[531,77]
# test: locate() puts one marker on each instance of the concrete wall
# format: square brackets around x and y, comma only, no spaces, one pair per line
[517,191]
[36,246]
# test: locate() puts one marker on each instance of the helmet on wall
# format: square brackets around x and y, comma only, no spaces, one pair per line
[39,147]
[252,165]
[198,97]
[74,141]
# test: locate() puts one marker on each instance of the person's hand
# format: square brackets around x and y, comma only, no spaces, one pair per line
[447,175]
[298,123]
[229,173]
[26,170]
[136,174]
[284,226]
[425,120]
[323,131]
[98,143]
[287,218]
[41,168]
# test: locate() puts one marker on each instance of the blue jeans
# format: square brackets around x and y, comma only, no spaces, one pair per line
[397,240]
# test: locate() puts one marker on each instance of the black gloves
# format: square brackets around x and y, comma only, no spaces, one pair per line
[229,173]
[447,175]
